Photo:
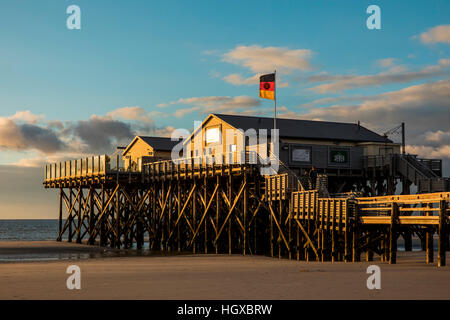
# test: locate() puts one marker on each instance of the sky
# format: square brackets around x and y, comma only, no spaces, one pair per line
[147,67]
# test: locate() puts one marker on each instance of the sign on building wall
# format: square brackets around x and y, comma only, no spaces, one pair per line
[301,154]
[339,156]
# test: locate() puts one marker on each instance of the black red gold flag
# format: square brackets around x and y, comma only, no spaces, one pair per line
[267,86]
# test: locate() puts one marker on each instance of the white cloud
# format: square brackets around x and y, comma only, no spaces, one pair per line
[438,34]
[388,62]
[26,116]
[421,107]
[218,104]
[134,113]
[428,152]
[237,79]
[53,140]
[266,59]
[21,136]
[437,137]
[396,74]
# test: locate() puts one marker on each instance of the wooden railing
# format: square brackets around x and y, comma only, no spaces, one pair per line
[279,186]
[420,209]
[308,205]
[97,165]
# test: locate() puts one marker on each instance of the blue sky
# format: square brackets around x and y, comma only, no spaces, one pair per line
[147,55]
[149,52]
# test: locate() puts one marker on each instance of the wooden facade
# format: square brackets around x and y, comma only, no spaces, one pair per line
[142,150]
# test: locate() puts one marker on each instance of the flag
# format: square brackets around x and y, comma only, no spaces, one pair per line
[267,86]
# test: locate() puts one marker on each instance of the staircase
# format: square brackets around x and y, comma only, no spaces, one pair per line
[409,167]
[424,173]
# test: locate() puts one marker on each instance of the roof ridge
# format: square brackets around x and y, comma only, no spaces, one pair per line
[278,118]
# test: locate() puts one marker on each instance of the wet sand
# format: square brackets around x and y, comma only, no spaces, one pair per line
[211,276]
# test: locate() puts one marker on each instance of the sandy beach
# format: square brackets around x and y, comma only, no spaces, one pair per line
[209,276]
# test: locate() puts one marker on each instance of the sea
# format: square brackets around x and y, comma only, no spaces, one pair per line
[44,230]
[47,230]
[28,230]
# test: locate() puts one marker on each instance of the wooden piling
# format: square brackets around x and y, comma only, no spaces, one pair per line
[355,237]
[393,234]
[442,233]
[429,240]
[60,226]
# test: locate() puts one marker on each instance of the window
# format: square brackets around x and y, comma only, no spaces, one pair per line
[212,135]
[301,154]
[233,148]
[386,151]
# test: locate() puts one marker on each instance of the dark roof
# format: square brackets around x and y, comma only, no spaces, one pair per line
[159,143]
[309,129]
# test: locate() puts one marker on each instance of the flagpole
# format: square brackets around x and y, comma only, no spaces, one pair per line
[275,103]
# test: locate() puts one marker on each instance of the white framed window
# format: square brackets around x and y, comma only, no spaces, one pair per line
[212,135]
[301,154]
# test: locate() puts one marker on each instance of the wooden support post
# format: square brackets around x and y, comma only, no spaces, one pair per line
[369,252]
[128,236]
[430,245]
[290,229]
[61,192]
[80,215]
[442,233]
[407,237]
[139,228]
[346,233]
[230,196]
[169,217]
[271,232]
[308,220]
[429,240]
[91,215]
[321,234]
[117,224]
[205,181]
[162,218]
[103,238]
[179,205]
[339,232]
[70,217]
[298,243]
[217,213]
[245,205]
[355,236]
[393,234]
[386,245]
[333,230]
[280,223]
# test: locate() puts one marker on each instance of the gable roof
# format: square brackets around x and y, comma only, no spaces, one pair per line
[157,143]
[306,129]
